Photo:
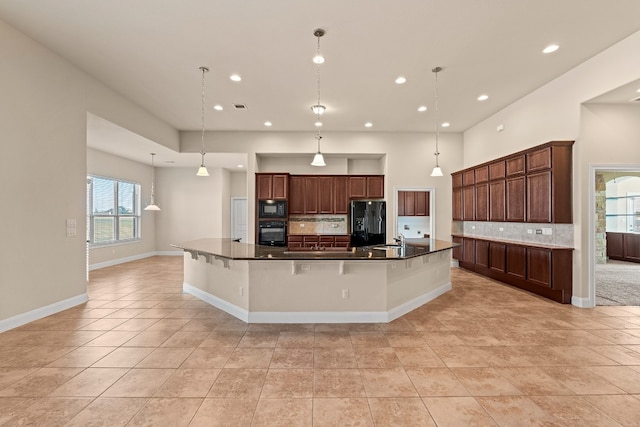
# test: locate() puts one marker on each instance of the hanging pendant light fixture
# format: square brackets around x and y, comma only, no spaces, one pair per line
[152,205]
[318,109]
[202,171]
[436,170]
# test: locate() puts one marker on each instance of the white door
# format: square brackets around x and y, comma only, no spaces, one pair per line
[239,218]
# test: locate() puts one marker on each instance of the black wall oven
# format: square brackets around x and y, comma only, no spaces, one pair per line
[272,233]
[272,209]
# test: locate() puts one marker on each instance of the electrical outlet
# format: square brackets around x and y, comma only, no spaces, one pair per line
[529,231]
[538,231]
[305,267]
[546,231]
[345,293]
[501,229]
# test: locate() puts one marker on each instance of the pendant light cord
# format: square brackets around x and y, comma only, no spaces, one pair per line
[204,70]
[437,129]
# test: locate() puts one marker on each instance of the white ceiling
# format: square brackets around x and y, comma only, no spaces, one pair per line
[150,51]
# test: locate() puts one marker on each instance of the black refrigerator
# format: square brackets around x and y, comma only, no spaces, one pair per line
[368,222]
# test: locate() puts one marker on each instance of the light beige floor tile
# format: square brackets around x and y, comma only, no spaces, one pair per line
[621,376]
[333,339]
[89,383]
[166,411]
[341,412]
[573,411]
[208,357]
[107,412]
[250,358]
[581,380]
[485,382]
[203,325]
[238,383]
[123,357]
[139,383]
[387,383]
[296,339]
[9,376]
[405,339]
[400,412]
[381,357]
[283,412]
[441,339]
[49,412]
[225,413]
[222,339]
[288,383]
[338,383]
[11,407]
[186,339]
[112,339]
[436,382]
[40,382]
[259,339]
[32,357]
[165,358]
[188,383]
[533,381]
[624,355]
[506,355]
[81,357]
[326,358]
[298,358]
[515,411]
[149,339]
[419,357]
[457,411]
[460,357]
[369,339]
[624,409]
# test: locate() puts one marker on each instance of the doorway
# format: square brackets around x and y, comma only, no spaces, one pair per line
[615,261]
[239,218]
[415,208]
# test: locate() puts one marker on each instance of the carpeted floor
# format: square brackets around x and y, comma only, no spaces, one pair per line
[617,283]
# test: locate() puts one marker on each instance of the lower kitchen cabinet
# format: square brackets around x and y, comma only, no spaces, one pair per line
[546,271]
[623,246]
[315,240]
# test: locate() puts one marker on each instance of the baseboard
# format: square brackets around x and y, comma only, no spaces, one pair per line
[582,302]
[39,313]
[117,261]
[315,316]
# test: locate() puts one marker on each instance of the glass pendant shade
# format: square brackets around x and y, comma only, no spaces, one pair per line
[436,171]
[152,207]
[318,109]
[202,171]
[318,160]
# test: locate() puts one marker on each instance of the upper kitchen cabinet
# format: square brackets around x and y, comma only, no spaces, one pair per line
[413,203]
[270,186]
[341,194]
[366,187]
[533,185]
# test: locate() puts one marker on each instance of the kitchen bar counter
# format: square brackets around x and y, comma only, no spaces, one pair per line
[263,284]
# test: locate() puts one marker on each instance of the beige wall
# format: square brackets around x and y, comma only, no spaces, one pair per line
[107,165]
[43,168]
[555,112]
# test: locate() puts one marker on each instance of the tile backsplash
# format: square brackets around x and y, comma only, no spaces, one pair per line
[318,224]
[551,234]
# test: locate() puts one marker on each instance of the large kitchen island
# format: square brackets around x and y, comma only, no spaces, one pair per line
[263,284]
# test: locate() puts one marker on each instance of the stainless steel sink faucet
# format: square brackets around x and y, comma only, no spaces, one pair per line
[400,239]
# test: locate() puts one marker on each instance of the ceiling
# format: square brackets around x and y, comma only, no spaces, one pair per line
[150,50]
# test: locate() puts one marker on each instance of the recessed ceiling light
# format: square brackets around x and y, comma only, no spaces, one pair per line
[422,108]
[268,124]
[445,124]
[483,97]
[368,124]
[235,77]
[318,124]
[400,80]
[551,48]
[240,166]
[218,107]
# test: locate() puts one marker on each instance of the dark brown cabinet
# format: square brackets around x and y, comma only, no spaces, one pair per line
[296,195]
[272,186]
[366,187]
[311,195]
[530,186]
[542,270]
[413,203]
[409,203]
[422,203]
[326,200]
[341,194]
[623,246]
[320,241]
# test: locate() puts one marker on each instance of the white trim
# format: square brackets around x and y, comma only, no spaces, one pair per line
[223,305]
[117,261]
[315,316]
[432,207]
[39,313]
[581,302]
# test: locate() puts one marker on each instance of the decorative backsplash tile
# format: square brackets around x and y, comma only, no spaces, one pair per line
[318,224]
[560,234]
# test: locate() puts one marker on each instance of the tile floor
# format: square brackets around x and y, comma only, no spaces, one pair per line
[141,352]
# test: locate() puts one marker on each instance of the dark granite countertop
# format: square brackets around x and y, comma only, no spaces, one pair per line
[230,249]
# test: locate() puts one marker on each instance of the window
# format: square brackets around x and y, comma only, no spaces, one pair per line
[113,210]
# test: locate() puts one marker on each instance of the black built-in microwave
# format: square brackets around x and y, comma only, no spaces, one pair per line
[272,209]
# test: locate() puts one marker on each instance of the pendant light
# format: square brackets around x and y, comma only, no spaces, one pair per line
[436,170]
[318,109]
[152,206]
[202,171]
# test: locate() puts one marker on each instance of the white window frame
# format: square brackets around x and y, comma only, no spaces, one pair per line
[116,215]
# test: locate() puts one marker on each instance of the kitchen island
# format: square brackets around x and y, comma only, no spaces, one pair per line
[264,284]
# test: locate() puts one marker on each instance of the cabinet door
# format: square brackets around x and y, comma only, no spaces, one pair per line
[296,195]
[325,194]
[468,205]
[482,253]
[375,187]
[457,251]
[401,197]
[496,170]
[342,241]
[341,194]
[468,177]
[515,199]
[422,203]
[264,185]
[615,246]
[310,241]
[497,257]
[539,266]
[279,186]
[631,247]
[294,241]
[539,197]
[469,250]
[515,165]
[456,180]
[457,213]
[516,263]
[311,194]
[326,241]
[410,203]
[482,202]
[539,160]
[496,200]
[482,174]
[357,187]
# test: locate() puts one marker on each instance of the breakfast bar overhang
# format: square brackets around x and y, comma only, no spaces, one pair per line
[262,284]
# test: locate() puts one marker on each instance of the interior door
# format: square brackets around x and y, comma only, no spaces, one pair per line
[239,219]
